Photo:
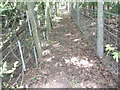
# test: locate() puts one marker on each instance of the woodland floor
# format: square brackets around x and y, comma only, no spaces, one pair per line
[69,62]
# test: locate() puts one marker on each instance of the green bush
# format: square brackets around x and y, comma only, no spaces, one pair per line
[116,8]
[4,70]
[113,51]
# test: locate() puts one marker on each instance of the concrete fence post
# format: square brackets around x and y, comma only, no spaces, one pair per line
[100,32]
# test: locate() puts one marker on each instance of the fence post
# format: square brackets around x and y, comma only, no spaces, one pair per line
[71,9]
[100,34]
[21,54]
[1,82]
[68,7]
[78,14]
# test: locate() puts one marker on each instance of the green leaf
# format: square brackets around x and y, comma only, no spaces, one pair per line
[9,71]
[16,64]
[4,68]
[116,55]
[107,47]
[1,72]
[5,64]
[3,9]
[110,48]
[21,86]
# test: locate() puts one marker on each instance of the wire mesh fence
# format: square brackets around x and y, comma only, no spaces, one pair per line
[112,29]
[88,25]
[87,21]
[17,43]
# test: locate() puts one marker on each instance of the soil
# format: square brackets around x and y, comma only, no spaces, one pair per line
[69,62]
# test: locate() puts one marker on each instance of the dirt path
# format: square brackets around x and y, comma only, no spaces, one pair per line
[69,62]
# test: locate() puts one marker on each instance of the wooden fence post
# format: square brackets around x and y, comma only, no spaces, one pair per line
[100,33]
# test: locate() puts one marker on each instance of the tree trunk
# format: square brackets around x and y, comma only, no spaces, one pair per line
[34,28]
[47,20]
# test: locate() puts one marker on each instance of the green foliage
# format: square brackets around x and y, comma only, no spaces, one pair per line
[116,8]
[4,70]
[6,9]
[113,51]
[33,79]
[113,7]
[116,55]
[109,48]
[18,87]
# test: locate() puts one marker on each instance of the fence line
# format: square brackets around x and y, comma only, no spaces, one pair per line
[87,17]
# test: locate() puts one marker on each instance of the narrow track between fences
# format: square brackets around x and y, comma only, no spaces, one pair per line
[69,61]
